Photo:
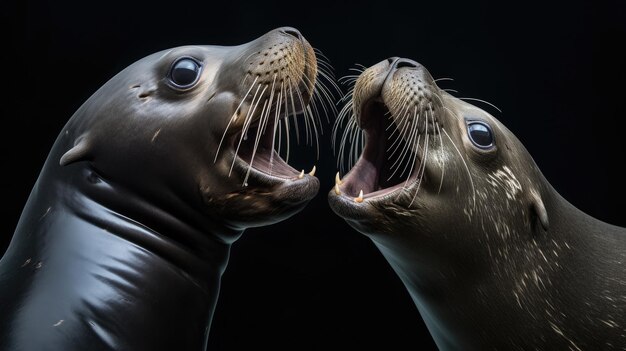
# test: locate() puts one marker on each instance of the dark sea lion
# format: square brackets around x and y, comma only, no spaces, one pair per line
[128,229]
[492,255]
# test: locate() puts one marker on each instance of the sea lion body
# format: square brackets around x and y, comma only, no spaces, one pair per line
[492,255]
[127,231]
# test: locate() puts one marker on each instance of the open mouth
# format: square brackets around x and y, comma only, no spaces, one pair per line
[388,162]
[257,149]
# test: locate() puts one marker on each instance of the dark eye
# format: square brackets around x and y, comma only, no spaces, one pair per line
[480,134]
[185,72]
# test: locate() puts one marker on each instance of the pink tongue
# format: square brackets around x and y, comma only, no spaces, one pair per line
[364,177]
[276,167]
[261,162]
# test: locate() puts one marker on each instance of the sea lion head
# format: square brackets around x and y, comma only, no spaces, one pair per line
[434,169]
[201,124]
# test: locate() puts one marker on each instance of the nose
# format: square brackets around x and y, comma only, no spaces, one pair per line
[291,31]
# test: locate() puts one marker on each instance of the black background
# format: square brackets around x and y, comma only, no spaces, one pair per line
[556,70]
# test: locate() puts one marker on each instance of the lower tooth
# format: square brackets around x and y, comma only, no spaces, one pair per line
[360,198]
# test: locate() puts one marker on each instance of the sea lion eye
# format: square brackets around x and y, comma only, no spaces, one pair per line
[480,134]
[185,72]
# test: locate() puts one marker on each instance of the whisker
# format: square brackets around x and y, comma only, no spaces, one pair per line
[414,131]
[406,122]
[320,93]
[276,125]
[325,92]
[259,131]
[358,70]
[320,53]
[443,159]
[330,79]
[287,138]
[346,97]
[343,115]
[411,160]
[409,122]
[483,101]
[306,119]
[280,135]
[293,110]
[351,128]
[247,123]
[423,166]
[232,118]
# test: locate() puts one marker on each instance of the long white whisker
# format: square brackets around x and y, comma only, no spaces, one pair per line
[286,119]
[483,101]
[247,123]
[276,125]
[412,157]
[414,131]
[338,122]
[443,159]
[304,112]
[423,170]
[259,132]
[293,111]
[410,126]
[404,124]
[413,160]
[331,80]
[232,118]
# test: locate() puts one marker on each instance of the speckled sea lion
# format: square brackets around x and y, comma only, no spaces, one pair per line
[492,255]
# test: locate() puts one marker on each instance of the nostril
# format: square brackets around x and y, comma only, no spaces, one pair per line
[293,32]
[391,60]
[406,64]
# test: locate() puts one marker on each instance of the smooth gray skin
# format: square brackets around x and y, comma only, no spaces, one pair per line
[125,236]
[496,261]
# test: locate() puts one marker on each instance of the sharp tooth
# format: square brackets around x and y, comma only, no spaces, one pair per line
[301,175]
[337,191]
[360,198]
[312,173]
[337,179]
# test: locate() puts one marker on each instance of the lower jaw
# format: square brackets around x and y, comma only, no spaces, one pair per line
[251,176]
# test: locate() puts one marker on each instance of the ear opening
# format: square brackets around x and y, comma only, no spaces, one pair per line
[539,210]
[77,153]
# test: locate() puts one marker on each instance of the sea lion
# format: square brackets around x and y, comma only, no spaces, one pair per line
[128,228]
[491,254]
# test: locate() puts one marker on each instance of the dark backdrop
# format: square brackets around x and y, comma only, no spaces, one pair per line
[556,70]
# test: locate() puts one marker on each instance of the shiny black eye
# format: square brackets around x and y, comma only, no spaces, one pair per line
[480,134]
[185,72]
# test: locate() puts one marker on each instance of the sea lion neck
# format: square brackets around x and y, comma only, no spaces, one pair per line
[580,230]
[163,224]
[124,279]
